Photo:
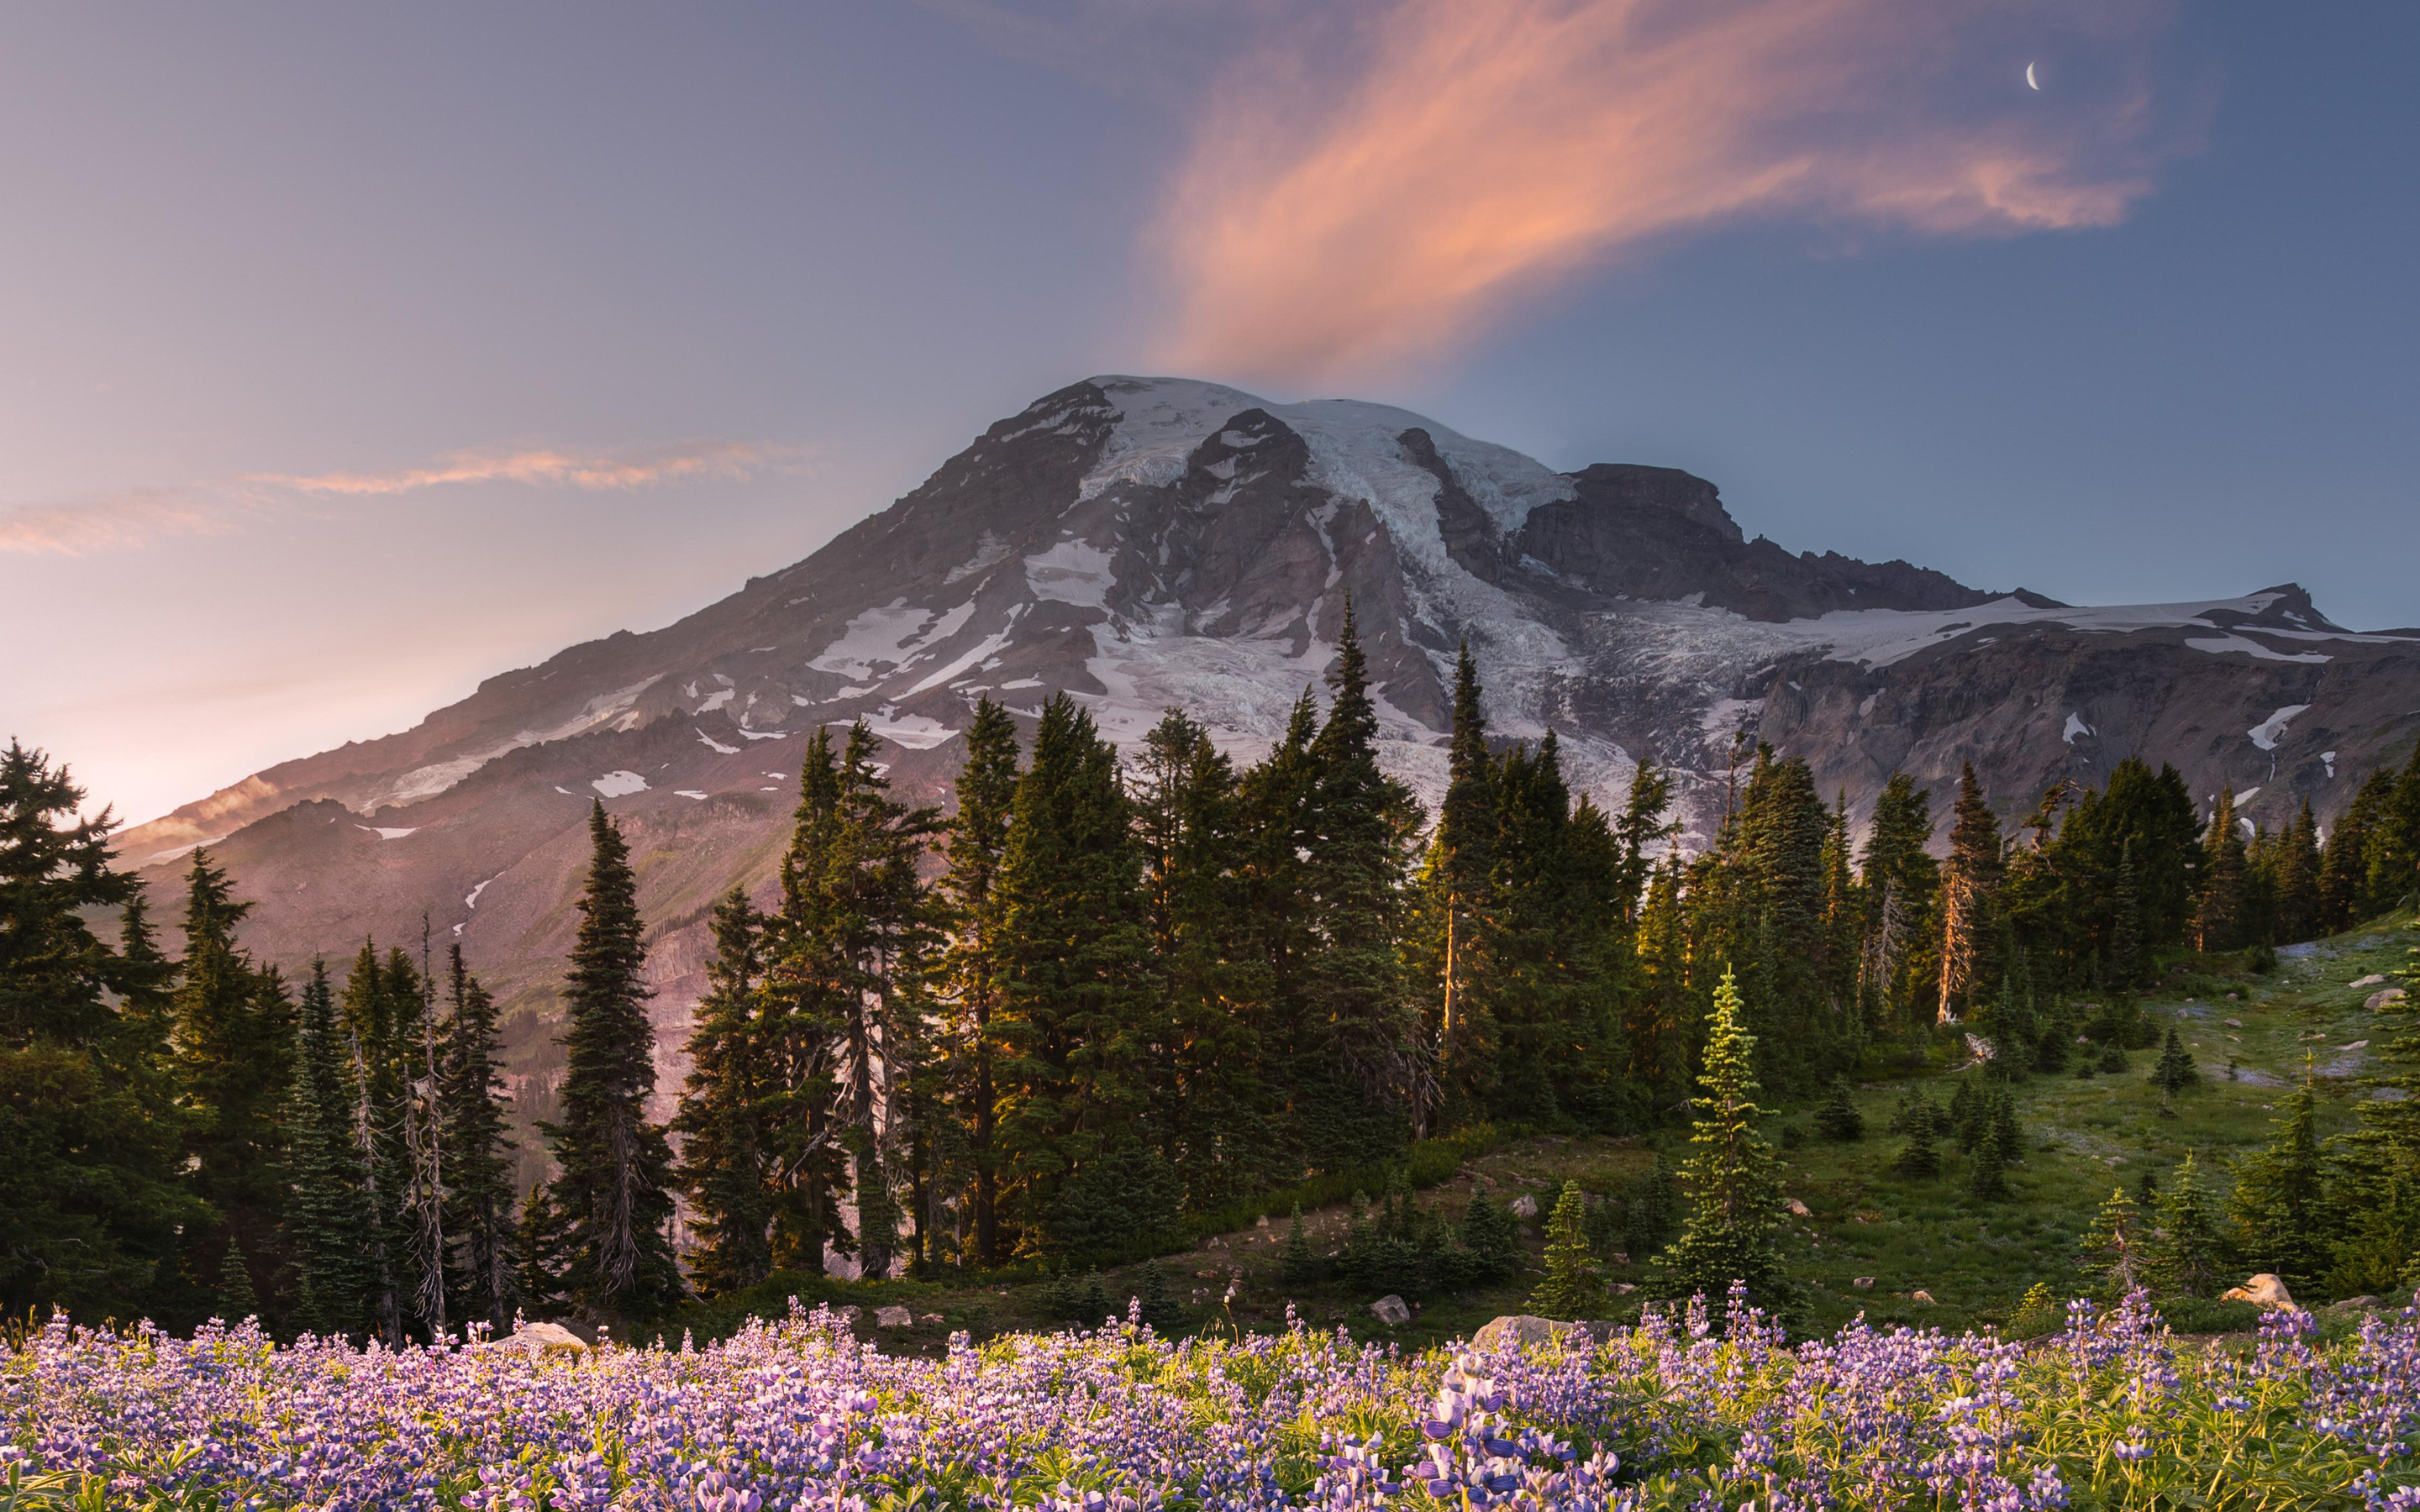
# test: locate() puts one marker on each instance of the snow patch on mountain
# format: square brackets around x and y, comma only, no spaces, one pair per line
[877,637]
[1071,572]
[2075,726]
[2267,732]
[619,784]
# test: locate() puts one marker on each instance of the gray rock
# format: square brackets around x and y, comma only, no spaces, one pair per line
[541,1340]
[1863,1283]
[1924,1297]
[2373,980]
[2264,1289]
[2379,999]
[894,1317]
[1521,1331]
[1525,1205]
[1798,1208]
[1391,1310]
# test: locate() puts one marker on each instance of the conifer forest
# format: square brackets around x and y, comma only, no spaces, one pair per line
[1116,1012]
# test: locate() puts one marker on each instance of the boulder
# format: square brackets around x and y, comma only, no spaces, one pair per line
[2379,999]
[2373,980]
[1798,1208]
[1525,1206]
[2351,1304]
[1518,1332]
[930,1319]
[1624,1289]
[540,1340]
[1391,1310]
[894,1317]
[2265,1291]
[1863,1283]
[1261,1222]
[850,1314]
[1924,1297]
[2235,1024]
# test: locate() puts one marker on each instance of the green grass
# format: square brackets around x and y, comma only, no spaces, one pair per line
[2083,1138]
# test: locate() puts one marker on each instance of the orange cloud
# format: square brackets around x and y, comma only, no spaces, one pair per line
[727,460]
[140,515]
[1348,219]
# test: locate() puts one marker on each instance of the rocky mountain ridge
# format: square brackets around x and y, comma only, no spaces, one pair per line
[1141,543]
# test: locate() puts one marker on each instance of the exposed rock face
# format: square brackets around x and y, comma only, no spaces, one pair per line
[1140,543]
[1391,1310]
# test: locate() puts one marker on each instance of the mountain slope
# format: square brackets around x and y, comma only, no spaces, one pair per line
[1146,542]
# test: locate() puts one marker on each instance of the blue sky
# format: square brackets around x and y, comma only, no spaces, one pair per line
[353,357]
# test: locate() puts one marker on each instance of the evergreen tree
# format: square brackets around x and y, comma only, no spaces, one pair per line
[236,1296]
[723,1109]
[383,1008]
[2221,922]
[1919,1159]
[479,1201]
[1456,902]
[539,1239]
[1651,1209]
[971,967]
[233,1042]
[2377,1179]
[2297,878]
[1298,1263]
[1839,1118]
[2186,1253]
[1492,1237]
[1897,886]
[1988,1179]
[1074,1016]
[855,908]
[2126,935]
[2111,1247]
[2344,865]
[1968,882]
[2276,1210]
[2113,1060]
[2176,1070]
[2007,1136]
[330,1206]
[614,1170]
[1155,1302]
[1361,1045]
[1573,1287]
[1734,1179]
[89,1185]
[2051,1049]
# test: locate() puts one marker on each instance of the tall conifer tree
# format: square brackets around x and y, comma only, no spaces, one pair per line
[1733,1180]
[330,1205]
[1967,883]
[723,1109]
[1075,1001]
[970,964]
[478,1217]
[614,1167]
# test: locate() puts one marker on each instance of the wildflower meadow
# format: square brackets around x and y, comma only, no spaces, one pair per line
[1682,1411]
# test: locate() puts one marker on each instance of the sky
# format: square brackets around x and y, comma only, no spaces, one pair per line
[354,354]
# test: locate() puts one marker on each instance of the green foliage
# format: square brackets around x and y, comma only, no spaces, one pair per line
[1733,1179]
[2174,1071]
[1838,1120]
[1919,1159]
[1301,1263]
[1573,1287]
[614,1176]
[2110,1248]
[1651,1209]
[2185,1255]
[2039,1314]
[1159,1307]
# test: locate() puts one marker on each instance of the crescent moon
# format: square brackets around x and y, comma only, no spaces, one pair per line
[2030,81]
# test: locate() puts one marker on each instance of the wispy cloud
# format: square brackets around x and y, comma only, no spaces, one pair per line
[141,515]
[1334,219]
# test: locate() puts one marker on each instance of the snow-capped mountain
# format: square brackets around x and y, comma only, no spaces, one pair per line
[1141,543]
